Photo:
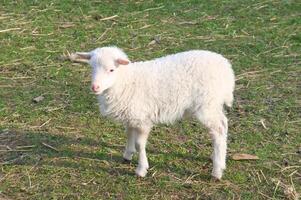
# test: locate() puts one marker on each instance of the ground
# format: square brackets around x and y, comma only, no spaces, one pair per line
[61,148]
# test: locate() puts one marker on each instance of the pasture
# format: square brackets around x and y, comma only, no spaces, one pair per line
[59,147]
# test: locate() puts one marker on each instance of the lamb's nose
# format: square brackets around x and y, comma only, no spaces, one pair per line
[95,87]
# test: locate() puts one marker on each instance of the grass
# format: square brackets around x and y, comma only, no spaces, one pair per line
[60,148]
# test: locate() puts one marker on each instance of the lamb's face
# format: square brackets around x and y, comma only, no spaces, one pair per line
[105,64]
[104,73]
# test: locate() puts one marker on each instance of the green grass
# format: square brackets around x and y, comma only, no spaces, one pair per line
[261,38]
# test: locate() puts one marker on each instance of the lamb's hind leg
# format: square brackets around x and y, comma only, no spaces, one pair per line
[130,145]
[218,127]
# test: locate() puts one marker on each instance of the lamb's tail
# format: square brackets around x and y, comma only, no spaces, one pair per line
[229,100]
[230,85]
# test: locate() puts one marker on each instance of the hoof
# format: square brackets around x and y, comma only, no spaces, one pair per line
[126,161]
[217,174]
[127,156]
[141,172]
[214,179]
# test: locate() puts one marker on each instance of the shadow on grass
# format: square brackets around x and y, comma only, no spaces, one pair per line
[45,149]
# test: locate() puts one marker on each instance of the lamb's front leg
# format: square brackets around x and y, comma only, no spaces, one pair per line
[130,145]
[141,140]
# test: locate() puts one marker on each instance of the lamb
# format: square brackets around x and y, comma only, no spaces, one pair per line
[194,83]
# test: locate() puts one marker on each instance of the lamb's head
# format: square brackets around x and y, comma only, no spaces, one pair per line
[105,63]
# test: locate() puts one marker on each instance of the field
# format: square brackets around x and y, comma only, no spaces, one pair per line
[61,148]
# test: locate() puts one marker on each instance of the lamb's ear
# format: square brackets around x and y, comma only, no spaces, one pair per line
[80,57]
[121,61]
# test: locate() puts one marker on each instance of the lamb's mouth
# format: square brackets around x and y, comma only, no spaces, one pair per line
[101,92]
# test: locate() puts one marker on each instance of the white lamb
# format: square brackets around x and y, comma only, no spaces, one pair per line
[194,83]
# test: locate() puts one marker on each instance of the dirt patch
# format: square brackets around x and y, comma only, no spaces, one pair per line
[14,147]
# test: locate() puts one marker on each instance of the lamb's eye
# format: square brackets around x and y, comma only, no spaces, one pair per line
[111,70]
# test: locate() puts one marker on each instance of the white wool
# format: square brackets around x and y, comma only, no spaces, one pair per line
[195,83]
[161,90]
